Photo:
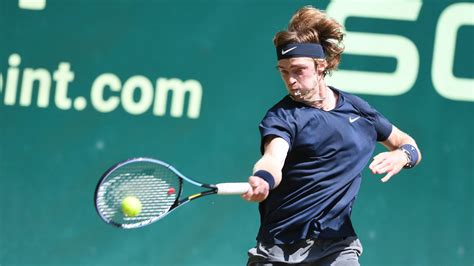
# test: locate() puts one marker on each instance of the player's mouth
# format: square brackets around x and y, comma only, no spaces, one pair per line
[299,93]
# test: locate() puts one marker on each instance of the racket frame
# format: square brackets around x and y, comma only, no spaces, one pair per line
[212,189]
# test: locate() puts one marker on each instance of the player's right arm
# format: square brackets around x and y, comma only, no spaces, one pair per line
[272,161]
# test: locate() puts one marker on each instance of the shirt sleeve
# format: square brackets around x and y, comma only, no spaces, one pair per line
[382,125]
[274,126]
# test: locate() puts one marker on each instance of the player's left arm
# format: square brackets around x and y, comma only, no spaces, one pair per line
[390,163]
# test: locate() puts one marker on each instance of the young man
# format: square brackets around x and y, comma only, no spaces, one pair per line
[316,142]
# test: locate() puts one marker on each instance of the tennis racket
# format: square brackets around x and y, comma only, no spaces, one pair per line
[157,186]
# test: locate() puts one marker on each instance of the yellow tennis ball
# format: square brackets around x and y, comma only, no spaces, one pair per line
[131,206]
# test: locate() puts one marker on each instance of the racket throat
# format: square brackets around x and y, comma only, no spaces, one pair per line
[210,186]
[212,190]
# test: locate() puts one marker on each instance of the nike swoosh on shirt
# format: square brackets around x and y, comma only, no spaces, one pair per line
[353,119]
[283,52]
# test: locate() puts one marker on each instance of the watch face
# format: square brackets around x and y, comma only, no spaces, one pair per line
[409,163]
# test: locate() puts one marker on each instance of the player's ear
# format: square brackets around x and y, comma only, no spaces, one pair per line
[320,65]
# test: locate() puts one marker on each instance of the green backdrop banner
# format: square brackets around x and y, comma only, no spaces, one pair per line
[84,84]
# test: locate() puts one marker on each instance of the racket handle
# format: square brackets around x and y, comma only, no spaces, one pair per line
[232,188]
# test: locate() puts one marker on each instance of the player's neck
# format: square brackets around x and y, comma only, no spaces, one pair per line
[329,101]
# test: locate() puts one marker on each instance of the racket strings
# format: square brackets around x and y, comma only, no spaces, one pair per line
[154,185]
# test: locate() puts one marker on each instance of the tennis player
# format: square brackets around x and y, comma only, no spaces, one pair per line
[316,142]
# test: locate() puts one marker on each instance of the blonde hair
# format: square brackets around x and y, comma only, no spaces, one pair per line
[311,25]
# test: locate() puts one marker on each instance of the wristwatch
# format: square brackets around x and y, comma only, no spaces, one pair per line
[409,163]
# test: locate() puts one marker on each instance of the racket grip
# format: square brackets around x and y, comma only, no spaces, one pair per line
[232,188]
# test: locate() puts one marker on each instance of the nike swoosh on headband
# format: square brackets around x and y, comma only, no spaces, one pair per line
[283,52]
[312,50]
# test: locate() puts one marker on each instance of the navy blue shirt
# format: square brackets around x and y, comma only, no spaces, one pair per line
[322,172]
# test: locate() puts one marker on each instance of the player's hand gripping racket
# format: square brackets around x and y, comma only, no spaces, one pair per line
[155,184]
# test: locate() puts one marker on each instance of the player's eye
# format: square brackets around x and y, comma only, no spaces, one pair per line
[300,71]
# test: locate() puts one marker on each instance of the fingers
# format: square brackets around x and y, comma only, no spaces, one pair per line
[381,168]
[380,164]
[387,177]
[389,163]
[258,191]
[254,181]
